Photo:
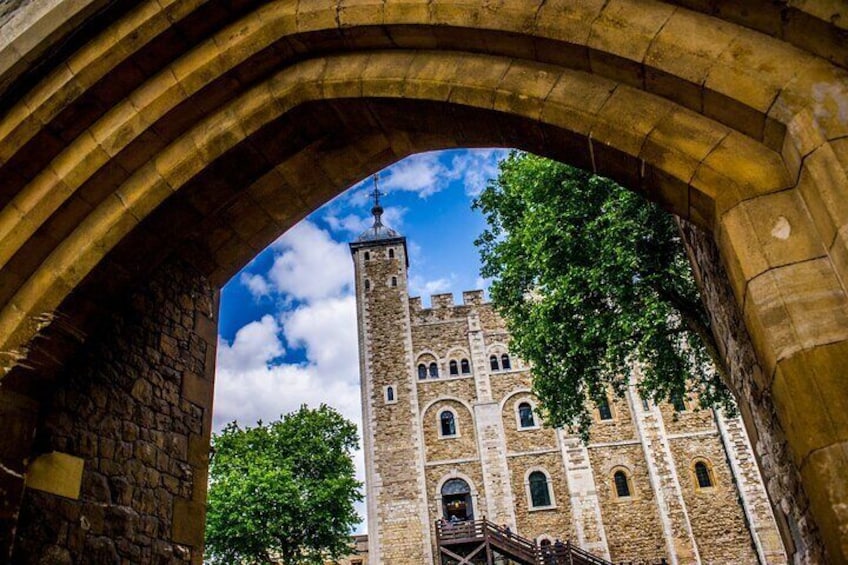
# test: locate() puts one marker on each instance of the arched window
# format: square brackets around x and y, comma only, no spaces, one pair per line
[422,371]
[525,415]
[391,253]
[390,394]
[505,365]
[367,284]
[645,405]
[604,409]
[434,371]
[448,423]
[367,256]
[457,501]
[702,473]
[454,369]
[394,281]
[678,402]
[466,367]
[622,485]
[540,495]
[493,363]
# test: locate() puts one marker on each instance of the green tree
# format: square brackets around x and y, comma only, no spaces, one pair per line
[591,277]
[283,492]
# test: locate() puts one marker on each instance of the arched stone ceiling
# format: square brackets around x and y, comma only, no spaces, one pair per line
[134,130]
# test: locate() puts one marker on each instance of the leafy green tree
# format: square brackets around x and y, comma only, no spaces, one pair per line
[590,278]
[283,492]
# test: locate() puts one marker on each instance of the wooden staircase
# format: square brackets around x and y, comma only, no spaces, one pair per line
[480,542]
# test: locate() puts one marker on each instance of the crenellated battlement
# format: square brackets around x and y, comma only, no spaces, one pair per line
[443,307]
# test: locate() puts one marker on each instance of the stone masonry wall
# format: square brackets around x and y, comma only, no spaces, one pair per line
[716,514]
[782,479]
[633,526]
[136,407]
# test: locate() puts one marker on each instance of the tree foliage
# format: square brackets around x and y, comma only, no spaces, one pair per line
[283,492]
[591,277]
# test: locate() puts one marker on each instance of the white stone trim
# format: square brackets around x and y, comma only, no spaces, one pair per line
[394,388]
[456,428]
[536,417]
[445,398]
[536,452]
[454,474]
[443,462]
[548,481]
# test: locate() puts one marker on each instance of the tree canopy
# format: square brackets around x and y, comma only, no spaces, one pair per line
[283,492]
[592,278]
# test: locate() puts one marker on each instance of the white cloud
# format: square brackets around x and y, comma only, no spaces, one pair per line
[476,167]
[255,345]
[310,264]
[354,224]
[256,284]
[423,174]
[419,286]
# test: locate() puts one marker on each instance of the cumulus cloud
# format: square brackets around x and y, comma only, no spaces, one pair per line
[256,284]
[477,167]
[253,347]
[309,264]
[354,224]
[419,286]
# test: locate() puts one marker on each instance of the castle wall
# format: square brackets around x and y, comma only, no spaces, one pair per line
[666,515]
[133,415]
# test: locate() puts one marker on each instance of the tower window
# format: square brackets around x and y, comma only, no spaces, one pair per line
[390,394]
[645,405]
[391,253]
[505,365]
[540,494]
[394,281]
[454,369]
[422,371]
[493,363]
[367,284]
[466,367]
[367,256]
[702,473]
[604,410]
[434,371]
[448,423]
[678,402]
[525,415]
[622,485]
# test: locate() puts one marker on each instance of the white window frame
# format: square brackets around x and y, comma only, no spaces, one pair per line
[549,482]
[386,394]
[456,429]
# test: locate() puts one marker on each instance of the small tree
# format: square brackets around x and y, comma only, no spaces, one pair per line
[591,277]
[283,492]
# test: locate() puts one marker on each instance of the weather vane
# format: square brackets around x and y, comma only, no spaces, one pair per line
[377,194]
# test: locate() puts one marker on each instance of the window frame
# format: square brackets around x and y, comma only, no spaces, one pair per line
[455,419]
[433,370]
[494,363]
[506,362]
[606,405]
[531,507]
[628,478]
[696,480]
[519,424]
[453,368]
[465,367]
[386,390]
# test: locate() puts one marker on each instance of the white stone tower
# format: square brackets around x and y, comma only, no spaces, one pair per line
[394,463]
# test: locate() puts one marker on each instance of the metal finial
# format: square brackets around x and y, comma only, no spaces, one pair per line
[377,194]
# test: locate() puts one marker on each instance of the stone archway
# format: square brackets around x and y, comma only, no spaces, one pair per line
[155,140]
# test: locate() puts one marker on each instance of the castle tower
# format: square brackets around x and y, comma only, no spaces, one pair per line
[394,464]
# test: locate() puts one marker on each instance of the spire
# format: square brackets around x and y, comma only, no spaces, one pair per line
[377,231]
[377,210]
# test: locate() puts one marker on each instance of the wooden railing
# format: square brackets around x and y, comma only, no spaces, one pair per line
[517,548]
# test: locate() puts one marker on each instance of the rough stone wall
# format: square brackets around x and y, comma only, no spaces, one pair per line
[555,522]
[781,476]
[461,388]
[619,428]
[394,446]
[136,407]
[716,514]
[520,440]
[690,420]
[461,446]
[633,526]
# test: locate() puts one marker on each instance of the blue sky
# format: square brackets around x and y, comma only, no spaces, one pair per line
[288,319]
